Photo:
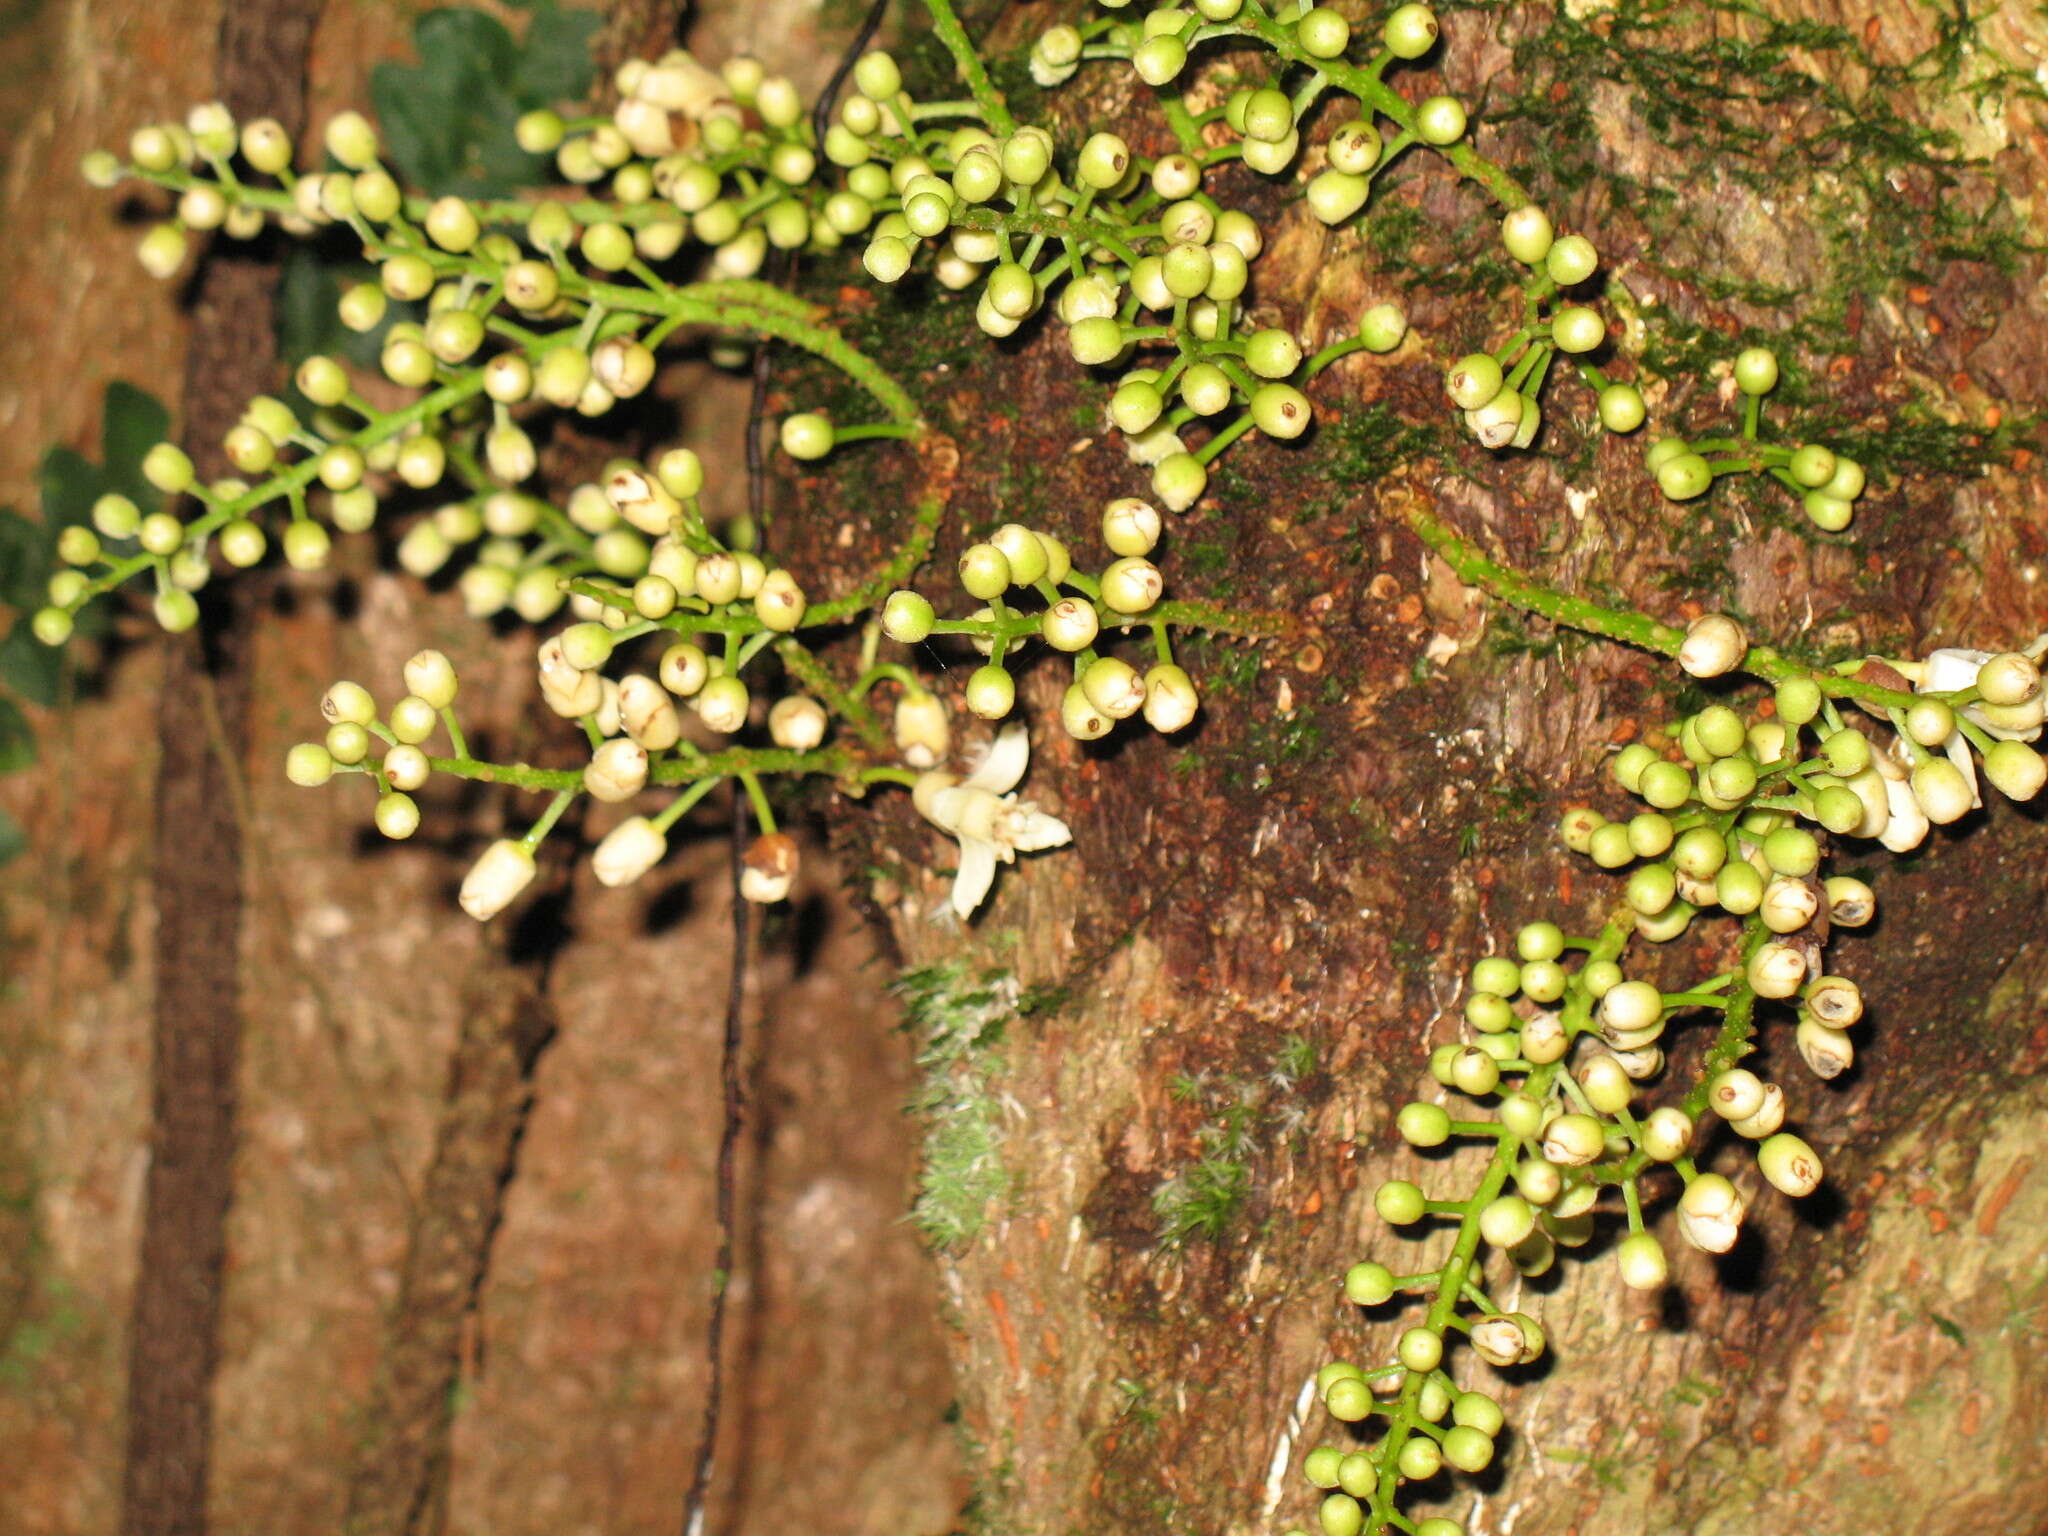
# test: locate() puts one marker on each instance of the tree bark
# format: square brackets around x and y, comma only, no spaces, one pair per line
[1371,807]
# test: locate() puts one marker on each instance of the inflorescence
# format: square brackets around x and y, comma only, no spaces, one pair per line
[691,659]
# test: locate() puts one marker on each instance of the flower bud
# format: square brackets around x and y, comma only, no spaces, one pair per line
[640,499]
[921,730]
[907,617]
[797,723]
[2015,769]
[1131,584]
[718,578]
[779,603]
[1113,686]
[1835,1001]
[1735,1094]
[1828,1053]
[1170,698]
[1714,644]
[1790,1164]
[1572,1141]
[1776,970]
[768,868]
[1544,1039]
[648,714]
[991,692]
[1667,1133]
[1789,905]
[1769,1116]
[1506,1221]
[684,669]
[1499,1340]
[1642,1263]
[722,704]
[1710,1213]
[617,770]
[1070,624]
[1941,791]
[628,851]
[2008,678]
[1631,1006]
[505,870]
[1130,527]
[569,691]
[1024,551]
[510,453]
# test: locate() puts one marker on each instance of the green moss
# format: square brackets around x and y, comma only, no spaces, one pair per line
[957,1018]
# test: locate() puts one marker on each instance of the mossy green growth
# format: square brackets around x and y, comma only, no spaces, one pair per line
[956,1018]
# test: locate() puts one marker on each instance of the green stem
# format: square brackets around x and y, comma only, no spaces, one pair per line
[967,59]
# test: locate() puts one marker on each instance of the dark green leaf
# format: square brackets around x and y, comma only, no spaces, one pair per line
[71,484]
[309,290]
[24,560]
[132,421]
[12,839]
[555,64]
[32,669]
[17,740]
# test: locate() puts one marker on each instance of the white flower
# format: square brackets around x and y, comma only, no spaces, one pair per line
[989,821]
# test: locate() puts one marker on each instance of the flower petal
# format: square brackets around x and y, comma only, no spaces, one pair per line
[1008,756]
[977,874]
[1029,829]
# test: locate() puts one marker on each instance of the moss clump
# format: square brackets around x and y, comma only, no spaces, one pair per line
[957,1018]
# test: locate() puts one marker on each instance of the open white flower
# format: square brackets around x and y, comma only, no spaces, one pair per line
[987,818]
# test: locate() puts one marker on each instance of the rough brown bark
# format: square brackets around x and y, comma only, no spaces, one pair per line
[198,876]
[403,1463]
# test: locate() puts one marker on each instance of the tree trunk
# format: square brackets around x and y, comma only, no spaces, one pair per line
[1144,1183]
[1369,805]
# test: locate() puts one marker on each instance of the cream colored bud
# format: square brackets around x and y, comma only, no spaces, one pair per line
[617,770]
[639,498]
[1941,791]
[1790,1164]
[1170,698]
[1113,686]
[1776,970]
[1130,527]
[1667,1134]
[1544,1039]
[648,714]
[623,366]
[1789,904]
[1641,1260]
[1769,1116]
[1132,585]
[1631,1005]
[1736,1093]
[768,868]
[1710,1213]
[922,732]
[1714,644]
[1079,716]
[1835,1001]
[1070,624]
[568,691]
[1499,1340]
[1828,1053]
[722,704]
[797,723]
[431,676]
[718,578]
[2008,678]
[1572,1141]
[780,603]
[628,851]
[1642,1063]
[505,870]
[684,669]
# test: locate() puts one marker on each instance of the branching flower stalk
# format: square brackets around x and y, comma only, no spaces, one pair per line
[499,313]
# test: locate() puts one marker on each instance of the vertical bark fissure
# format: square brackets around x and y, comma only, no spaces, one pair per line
[198,882]
[401,1466]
